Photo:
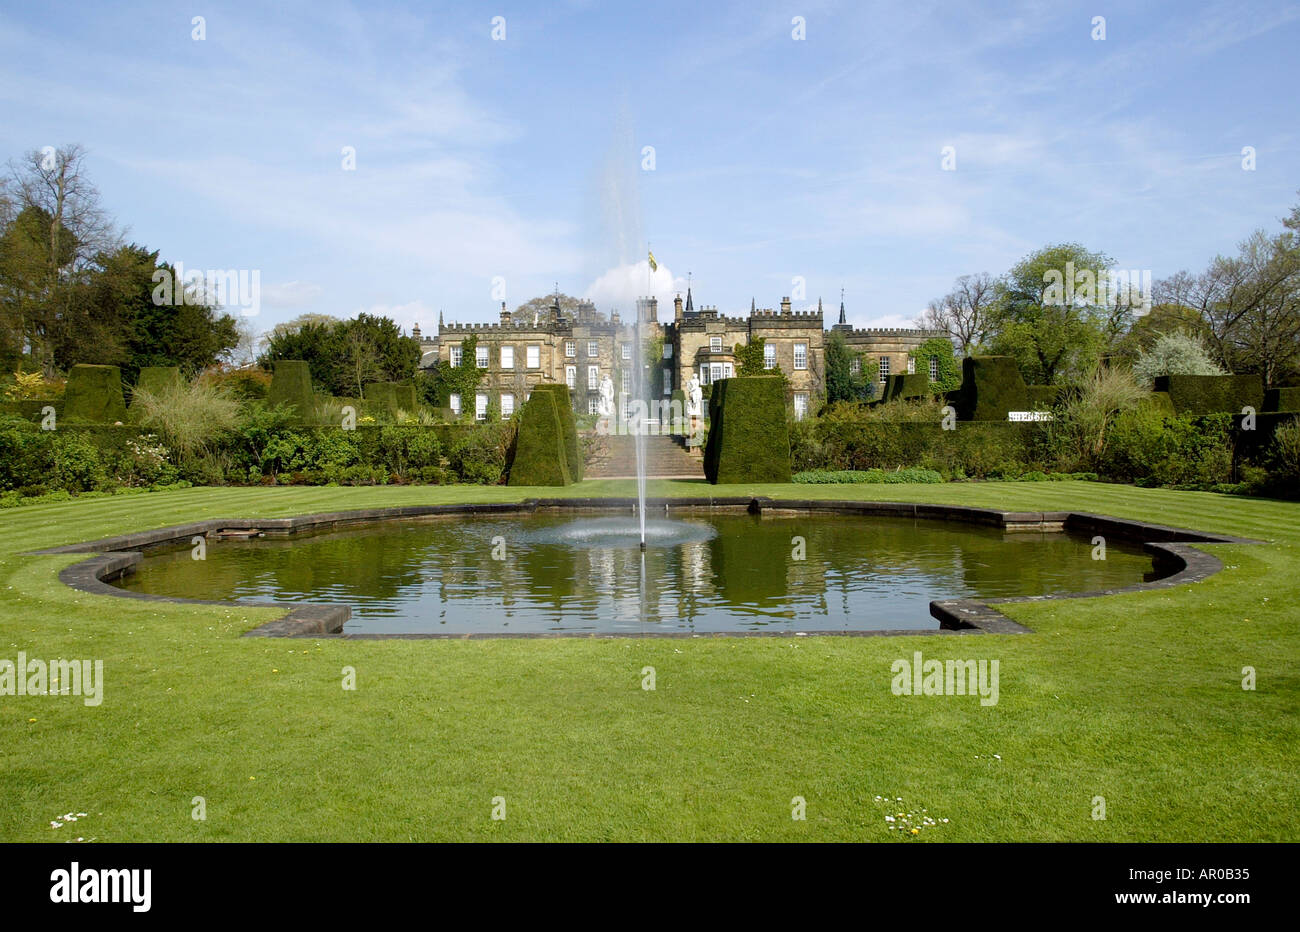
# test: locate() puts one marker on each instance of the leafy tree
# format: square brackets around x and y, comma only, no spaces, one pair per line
[1175,353]
[1052,329]
[57,226]
[344,355]
[1250,303]
[842,383]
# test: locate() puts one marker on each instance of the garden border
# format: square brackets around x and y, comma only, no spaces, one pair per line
[1170,546]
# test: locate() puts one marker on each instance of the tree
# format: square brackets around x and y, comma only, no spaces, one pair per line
[344,355]
[540,309]
[60,226]
[842,382]
[1048,315]
[965,312]
[114,318]
[1175,353]
[1250,303]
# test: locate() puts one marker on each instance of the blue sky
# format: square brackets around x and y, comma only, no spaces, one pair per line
[774,158]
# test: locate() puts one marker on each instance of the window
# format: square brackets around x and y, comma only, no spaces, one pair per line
[884,368]
[668,350]
[570,348]
[593,405]
[571,376]
[715,344]
[668,382]
[627,382]
[801,355]
[704,375]
[593,377]
[533,356]
[454,403]
[934,368]
[715,372]
[480,407]
[593,349]
[507,406]
[769,356]
[455,354]
[626,349]
[855,365]
[800,405]
[507,357]
[911,365]
[481,357]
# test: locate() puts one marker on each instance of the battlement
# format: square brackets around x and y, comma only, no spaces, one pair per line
[767,313]
[887,332]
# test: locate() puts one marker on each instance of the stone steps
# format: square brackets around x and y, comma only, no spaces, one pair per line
[615,458]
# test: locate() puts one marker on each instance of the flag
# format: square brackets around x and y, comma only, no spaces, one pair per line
[654,266]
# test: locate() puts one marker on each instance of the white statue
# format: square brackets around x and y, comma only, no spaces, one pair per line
[605,407]
[694,398]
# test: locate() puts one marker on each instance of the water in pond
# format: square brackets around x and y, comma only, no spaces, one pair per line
[702,573]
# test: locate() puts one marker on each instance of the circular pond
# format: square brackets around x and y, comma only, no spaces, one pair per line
[705,573]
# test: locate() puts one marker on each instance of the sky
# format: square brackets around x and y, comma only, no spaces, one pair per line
[795,148]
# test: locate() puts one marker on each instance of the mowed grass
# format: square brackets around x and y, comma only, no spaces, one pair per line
[1134,698]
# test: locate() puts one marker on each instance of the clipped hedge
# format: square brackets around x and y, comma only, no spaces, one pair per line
[156,379]
[749,438]
[392,396]
[991,386]
[94,396]
[915,385]
[1282,399]
[291,385]
[539,456]
[1212,394]
[569,423]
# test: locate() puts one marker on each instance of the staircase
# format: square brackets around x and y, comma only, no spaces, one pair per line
[665,458]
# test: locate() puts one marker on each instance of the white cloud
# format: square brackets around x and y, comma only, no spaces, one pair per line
[619,288]
[290,294]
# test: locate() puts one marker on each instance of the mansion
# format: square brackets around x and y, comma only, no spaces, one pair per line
[583,348]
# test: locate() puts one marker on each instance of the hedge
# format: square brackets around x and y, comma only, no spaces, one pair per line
[749,438]
[991,386]
[291,385]
[94,395]
[392,396]
[1282,399]
[1212,394]
[915,385]
[539,456]
[569,424]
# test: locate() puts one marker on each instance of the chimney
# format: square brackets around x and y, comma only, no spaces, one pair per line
[654,310]
[785,305]
[415,332]
[505,315]
[677,308]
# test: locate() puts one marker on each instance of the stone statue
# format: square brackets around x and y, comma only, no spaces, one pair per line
[606,405]
[694,398]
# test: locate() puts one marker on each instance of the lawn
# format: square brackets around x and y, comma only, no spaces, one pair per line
[1135,698]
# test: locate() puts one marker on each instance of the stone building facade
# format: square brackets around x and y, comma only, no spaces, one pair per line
[580,349]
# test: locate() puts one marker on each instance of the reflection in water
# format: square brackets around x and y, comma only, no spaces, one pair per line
[706,573]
